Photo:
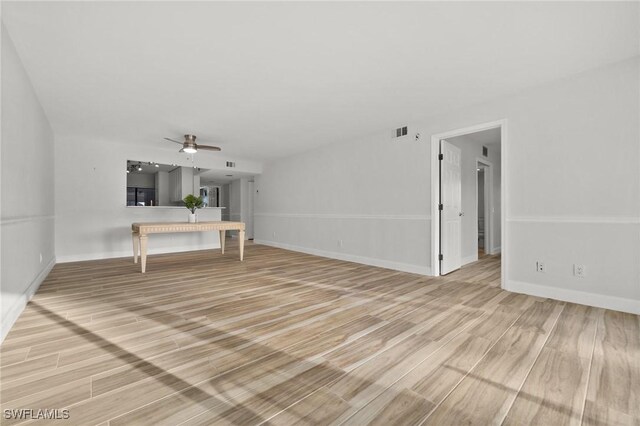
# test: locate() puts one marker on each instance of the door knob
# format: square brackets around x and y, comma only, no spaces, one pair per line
[461,214]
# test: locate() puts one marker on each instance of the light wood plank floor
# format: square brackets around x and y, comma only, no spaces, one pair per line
[288,338]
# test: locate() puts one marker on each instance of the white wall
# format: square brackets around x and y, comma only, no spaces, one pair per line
[240,204]
[27,206]
[366,201]
[246,206]
[235,200]
[496,232]
[162,188]
[470,152]
[225,190]
[248,210]
[573,183]
[100,225]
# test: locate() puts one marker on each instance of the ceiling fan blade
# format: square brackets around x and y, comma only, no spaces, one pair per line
[171,140]
[208,148]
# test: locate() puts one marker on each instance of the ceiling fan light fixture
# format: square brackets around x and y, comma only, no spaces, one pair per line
[189,145]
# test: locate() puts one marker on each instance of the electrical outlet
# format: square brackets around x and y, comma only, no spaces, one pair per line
[339,243]
[40,257]
[579,271]
[540,267]
[274,234]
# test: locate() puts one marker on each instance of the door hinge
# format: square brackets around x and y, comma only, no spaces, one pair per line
[441,157]
[440,206]
[439,257]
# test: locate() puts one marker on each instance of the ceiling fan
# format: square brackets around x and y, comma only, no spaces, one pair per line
[189,145]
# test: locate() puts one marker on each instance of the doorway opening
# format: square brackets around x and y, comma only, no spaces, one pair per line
[469,198]
[484,197]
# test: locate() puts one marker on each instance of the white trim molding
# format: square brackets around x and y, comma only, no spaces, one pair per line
[15,311]
[388,264]
[129,253]
[23,219]
[574,296]
[577,219]
[347,216]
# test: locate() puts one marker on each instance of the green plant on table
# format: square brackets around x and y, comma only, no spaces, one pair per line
[192,203]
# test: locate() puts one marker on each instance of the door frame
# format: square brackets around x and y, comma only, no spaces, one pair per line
[488,203]
[435,191]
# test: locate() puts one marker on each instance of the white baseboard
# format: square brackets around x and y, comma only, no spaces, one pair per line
[580,297]
[397,266]
[496,250]
[18,307]
[129,253]
[470,259]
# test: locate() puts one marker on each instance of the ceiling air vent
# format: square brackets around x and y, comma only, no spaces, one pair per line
[231,163]
[485,151]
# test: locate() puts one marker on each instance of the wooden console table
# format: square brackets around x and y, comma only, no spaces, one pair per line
[141,230]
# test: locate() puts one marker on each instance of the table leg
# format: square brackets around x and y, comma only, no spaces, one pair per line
[223,235]
[143,252]
[241,242]
[136,246]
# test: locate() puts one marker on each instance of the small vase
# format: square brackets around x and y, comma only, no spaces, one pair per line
[192,218]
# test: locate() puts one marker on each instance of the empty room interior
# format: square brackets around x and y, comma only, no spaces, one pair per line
[320,213]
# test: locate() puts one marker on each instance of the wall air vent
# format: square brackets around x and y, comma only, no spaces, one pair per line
[231,163]
[400,132]
[485,151]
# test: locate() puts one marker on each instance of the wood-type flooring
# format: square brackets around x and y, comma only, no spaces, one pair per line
[288,338]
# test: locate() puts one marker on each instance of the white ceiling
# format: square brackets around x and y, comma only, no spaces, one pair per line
[212,177]
[264,80]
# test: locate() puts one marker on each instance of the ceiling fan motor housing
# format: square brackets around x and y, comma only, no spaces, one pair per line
[190,142]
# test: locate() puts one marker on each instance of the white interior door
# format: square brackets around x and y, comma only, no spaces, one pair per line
[451,209]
